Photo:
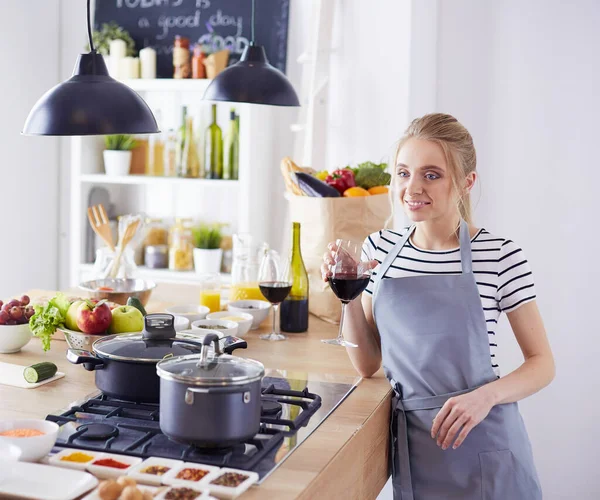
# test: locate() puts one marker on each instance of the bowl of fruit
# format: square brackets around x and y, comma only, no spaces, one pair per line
[14,324]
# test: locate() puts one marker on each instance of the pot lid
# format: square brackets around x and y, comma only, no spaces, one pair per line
[211,369]
[137,347]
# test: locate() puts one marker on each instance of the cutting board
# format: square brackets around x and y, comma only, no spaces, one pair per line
[13,375]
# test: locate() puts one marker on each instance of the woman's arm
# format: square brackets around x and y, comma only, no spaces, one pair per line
[536,372]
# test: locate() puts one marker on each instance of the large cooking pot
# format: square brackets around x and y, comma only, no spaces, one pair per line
[125,364]
[211,399]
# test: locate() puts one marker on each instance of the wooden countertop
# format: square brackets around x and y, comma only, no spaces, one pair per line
[346,457]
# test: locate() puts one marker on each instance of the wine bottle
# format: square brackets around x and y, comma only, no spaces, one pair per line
[232,148]
[213,148]
[181,156]
[190,161]
[294,309]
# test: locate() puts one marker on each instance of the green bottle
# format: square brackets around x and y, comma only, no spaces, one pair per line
[213,148]
[181,163]
[294,309]
[232,148]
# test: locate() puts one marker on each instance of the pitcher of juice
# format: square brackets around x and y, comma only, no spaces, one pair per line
[244,268]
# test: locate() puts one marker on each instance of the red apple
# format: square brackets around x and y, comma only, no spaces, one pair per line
[93,318]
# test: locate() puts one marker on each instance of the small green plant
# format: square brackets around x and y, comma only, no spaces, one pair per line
[111,31]
[119,142]
[207,236]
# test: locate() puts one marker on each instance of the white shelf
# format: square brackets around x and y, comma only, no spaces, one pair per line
[168,84]
[148,180]
[165,275]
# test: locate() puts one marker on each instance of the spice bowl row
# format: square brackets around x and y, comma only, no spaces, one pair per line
[156,471]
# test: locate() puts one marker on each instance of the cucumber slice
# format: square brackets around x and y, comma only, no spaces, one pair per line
[39,371]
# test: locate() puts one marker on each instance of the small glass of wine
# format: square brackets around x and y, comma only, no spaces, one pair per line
[275,283]
[347,281]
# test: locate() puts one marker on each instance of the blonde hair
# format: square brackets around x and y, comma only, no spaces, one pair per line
[456,143]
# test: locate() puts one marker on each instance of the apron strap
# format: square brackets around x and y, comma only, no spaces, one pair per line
[389,259]
[465,248]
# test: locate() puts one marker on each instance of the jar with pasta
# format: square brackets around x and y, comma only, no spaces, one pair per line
[181,247]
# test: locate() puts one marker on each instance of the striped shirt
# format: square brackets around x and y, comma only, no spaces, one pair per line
[501,271]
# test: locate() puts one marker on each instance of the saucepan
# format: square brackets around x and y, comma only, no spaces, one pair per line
[212,399]
[125,364]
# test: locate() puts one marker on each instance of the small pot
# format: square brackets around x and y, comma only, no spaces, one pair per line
[125,364]
[210,400]
[116,162]
[208,261]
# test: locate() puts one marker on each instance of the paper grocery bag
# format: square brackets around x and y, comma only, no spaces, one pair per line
[324,220]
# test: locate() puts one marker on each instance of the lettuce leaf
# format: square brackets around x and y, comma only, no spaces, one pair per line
[48,318]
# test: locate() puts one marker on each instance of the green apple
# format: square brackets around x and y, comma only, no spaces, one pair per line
[71,319]
[126,319]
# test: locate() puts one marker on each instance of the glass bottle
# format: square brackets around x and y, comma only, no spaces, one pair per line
[156,151]
[190,164]
[171,153]
[181,163]
[198,68]
[232,148]
[181,57]
[181,247]
[213,148]
[294,309]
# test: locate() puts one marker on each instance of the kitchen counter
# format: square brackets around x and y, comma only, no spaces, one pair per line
[346,457]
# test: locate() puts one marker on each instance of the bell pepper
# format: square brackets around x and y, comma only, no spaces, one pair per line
[341,179]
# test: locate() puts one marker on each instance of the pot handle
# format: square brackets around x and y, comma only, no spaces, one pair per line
[190,391]
[79,356]
[230,344]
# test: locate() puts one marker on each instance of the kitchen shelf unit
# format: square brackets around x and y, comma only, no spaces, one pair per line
[243,203]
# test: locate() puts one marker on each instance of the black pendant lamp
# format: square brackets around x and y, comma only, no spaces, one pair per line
[252,80]
[90,103]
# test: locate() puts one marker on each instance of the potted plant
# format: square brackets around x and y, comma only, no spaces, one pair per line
[117,155]
[207,251]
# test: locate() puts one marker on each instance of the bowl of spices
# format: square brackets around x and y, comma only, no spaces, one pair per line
[184,493]
[108,466]
[35,438]
[223,326]
[73,459]
[190,474]
[230,483]
[153,470]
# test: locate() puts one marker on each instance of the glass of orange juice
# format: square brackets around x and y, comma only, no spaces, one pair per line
[210,292]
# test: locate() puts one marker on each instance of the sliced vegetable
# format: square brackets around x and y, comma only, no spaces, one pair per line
[40,371]
[341,179]
[314,187]
[135,302]
[356,191]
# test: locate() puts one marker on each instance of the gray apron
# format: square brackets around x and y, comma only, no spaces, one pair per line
[434,345]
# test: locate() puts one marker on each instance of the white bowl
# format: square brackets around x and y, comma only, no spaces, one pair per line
[181,323]
[104,472]
[154,479]
[191,312]
[32,448]
[13,337]
[243,325]
[9,452]
[259,309]
[57,458]
[201,324]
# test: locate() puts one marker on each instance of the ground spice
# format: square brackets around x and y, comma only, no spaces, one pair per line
[77,457]
[157,470]
[22,433]
[109,462]
[182,494]
[192,474]
[229,479]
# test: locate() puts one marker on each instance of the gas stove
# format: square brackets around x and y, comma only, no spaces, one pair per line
[292,408]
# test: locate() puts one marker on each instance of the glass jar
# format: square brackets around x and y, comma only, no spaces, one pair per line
[182,67]
[105,258]
[244,268]
[156,256]
[157,233]
[181,246]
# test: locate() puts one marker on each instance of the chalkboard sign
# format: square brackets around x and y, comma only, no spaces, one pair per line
[220,24]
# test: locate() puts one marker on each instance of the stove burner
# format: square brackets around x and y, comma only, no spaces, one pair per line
[98,431]
[270,408]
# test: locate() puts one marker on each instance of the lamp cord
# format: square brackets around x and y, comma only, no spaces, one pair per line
[89,27]
[252,42]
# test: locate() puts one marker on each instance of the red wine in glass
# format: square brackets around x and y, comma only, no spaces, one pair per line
[275,291]
[348,286]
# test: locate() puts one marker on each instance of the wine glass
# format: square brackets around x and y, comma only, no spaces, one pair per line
[275,283]
[349,277]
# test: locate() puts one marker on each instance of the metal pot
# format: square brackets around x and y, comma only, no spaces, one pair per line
[125,364]
[210,400]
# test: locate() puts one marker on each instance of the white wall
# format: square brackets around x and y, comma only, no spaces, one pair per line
[522,77]
[28,189]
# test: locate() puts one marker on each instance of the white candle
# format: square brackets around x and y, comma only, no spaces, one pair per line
[135,67]
[117,51]
[127,68]
[148,62]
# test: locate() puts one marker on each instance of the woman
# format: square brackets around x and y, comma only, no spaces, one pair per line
[430,314]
